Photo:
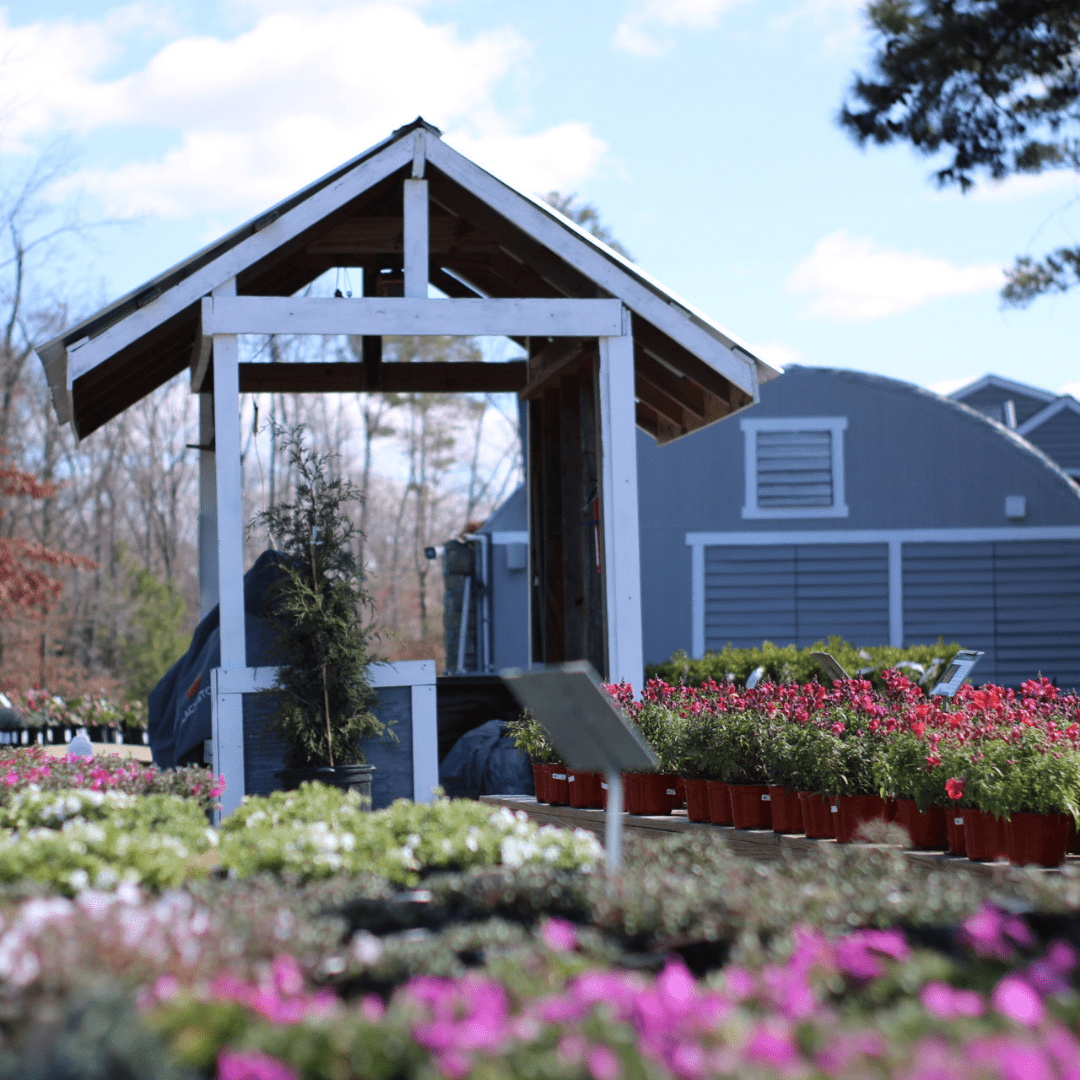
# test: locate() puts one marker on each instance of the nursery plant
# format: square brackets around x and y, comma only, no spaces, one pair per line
[321,612]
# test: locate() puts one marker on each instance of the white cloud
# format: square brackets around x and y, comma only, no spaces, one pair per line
[947,386]
[256,116]
[1072,389]
[777,354]
[851,279]
[637,32]
[1024,186]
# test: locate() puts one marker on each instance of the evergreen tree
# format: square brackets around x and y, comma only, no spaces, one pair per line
[156,638]
[996,82]
[321,612]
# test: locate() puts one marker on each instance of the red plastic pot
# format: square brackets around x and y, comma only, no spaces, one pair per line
[583,790]
[556,786]
[954,826]
[1074,839]
[1037,839]
[815,814]
[853,810]
[984,836]
[750,806]
[834,815]
[719,802]
[697,800]
[540,783]
[925,827]
[647,793]
[786,810]
[678,800]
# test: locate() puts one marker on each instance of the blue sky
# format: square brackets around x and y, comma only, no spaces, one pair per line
[704,130]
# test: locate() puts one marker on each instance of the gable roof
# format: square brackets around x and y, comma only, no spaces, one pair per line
[1048,412]
[1007,386]
[486,239]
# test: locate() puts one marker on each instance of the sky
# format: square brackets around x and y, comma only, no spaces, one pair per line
[704,131]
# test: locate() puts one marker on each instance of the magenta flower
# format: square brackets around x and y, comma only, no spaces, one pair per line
[603,1064]
[251,1065]
[559,935]
[1018,1001]
[945,1002]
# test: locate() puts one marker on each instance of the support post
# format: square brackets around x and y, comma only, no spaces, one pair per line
[619,509]
[613,823]
[228,720]
[416,239]
[208,568]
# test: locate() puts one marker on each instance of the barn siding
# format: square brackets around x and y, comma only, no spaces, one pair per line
[1059,438]
[798,593]
[990,399]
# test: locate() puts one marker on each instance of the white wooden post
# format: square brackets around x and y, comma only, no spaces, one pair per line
[416,239]
[208,567]
[619,508]
[227,709]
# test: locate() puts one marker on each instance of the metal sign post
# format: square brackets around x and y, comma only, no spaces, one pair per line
[588,730]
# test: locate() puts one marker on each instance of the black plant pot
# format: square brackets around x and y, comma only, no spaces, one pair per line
[348,777]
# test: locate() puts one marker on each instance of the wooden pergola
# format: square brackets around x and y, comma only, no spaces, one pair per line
[608,349]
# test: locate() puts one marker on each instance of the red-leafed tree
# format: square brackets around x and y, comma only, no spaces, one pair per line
[27,587]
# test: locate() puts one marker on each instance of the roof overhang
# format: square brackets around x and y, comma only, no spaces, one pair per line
[486,240]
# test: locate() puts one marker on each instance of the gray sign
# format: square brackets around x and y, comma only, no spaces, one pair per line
[583,721]
[956,673]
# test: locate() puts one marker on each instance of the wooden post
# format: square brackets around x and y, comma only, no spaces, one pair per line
[416,239]
[227,708]
[595,635]
[619,509]
[208,546]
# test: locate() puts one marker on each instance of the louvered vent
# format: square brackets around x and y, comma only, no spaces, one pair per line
[794,470]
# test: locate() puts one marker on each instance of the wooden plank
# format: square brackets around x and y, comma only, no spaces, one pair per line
[416,239]
[419,377]
[594,619]
[572,500]
[405,316]
[452,286]
[713,349]
[207,535]
[551,528]
[619,513]
[687,393]
[659,402]
[371,345]
[232,262]
[548,367]
[534,478]
[645,417]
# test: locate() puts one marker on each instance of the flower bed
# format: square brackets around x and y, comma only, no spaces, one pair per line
[48,718]
[1001,766]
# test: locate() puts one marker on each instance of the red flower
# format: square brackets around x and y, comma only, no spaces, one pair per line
[954,788]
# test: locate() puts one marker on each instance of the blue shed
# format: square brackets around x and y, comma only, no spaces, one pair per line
[865,507]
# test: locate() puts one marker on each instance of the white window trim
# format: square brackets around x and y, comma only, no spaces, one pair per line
[835,424]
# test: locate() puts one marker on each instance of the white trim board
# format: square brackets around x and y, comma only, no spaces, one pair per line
[521,537]
[527,317]
[192,288]
[1007,385]
[893,538]
[1048,412]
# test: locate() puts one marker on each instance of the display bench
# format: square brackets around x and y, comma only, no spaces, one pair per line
[762,845]
[245,748]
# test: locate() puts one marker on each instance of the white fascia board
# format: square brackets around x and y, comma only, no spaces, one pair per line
[234,261]
[519,537]
[253,680]
[670,316]
[882,536]
[406,315]
[1001,384]
[1047,413]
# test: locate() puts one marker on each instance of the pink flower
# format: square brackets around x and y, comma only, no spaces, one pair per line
[603,1064]
[559,935]
[954,788]
[251,1065]
[1017,1000]
[945,1002]
[11,778]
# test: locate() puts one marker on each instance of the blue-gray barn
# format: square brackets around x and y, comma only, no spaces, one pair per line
[850,504]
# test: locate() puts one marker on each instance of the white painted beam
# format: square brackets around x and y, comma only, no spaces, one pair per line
[229,263]
[619,511]
[228,722]
[416,239]
[371,316]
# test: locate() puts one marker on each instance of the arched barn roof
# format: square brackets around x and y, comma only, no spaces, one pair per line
[485,240]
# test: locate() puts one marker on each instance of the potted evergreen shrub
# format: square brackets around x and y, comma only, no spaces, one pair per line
[549,772]
[321,612]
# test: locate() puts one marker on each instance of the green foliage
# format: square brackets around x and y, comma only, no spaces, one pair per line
[319,607]
[319,830]
[785,664]
[532,739]
[157,636]
[996,82]
[1023,776]
[901,771]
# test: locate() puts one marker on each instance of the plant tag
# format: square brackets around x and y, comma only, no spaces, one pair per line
[958,821]
[570,779]
[834,809]
[604,786]
[558,776]
[766,798]
[671,791]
